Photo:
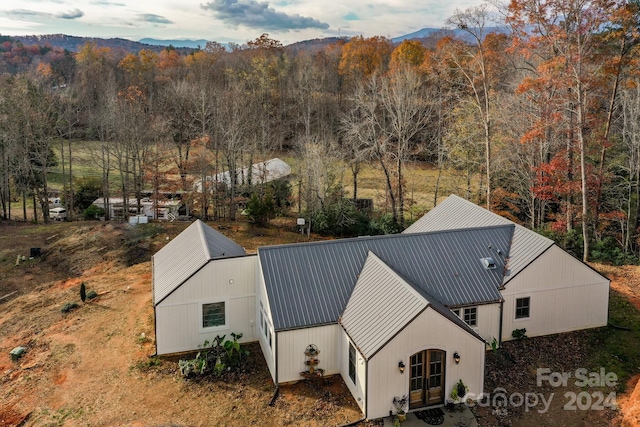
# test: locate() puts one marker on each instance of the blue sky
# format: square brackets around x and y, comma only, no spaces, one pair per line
[224,20]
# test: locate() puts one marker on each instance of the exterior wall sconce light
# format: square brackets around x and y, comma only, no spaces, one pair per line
[401,366]
[456,357]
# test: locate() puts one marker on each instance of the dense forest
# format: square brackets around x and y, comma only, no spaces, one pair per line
[543,118]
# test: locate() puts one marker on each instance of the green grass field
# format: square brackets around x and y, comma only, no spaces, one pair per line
[83,163]
[420,178]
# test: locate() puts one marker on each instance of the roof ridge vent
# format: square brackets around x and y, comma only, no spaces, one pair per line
[488,263]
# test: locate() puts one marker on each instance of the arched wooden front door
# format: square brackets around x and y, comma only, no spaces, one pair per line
[426,386]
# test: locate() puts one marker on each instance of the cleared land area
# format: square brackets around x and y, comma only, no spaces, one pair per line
[91,366]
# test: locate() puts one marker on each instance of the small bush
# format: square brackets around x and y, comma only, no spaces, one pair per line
[193,366]
[93,212]
[495,346]
[148,363]
[384,224]
[68,307]
[216,358]
[608,251]
[91,295]
[519,334]
[339,217]
[261,209]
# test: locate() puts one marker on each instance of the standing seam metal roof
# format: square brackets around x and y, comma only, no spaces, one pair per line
[455,213]
[181,258]
[310,283]
[383,303]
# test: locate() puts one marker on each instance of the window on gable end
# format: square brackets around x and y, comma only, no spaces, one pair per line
[523,306]
[213,314]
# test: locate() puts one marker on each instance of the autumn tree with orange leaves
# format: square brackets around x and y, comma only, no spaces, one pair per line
[562,38]
[361,58]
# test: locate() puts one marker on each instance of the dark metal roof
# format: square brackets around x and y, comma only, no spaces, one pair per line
[382,304]
[455,212]
[310,283]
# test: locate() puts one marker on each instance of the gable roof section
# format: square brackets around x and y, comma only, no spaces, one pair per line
[187,253]
[382,304]
[310,283]
[455,212]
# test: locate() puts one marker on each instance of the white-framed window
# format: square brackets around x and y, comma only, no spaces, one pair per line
[523,307]
[468,314]
[265,326]
[471,316]
[213,315]
[352,363]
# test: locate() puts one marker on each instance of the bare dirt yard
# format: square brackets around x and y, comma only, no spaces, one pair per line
[92,365]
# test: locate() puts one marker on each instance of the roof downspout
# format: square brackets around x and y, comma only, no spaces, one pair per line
[500,330]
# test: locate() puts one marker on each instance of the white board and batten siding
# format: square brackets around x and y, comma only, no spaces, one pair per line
[292,344]
[430,330]
[358,387]
[488,326]
[564,294]
[179,316]
[269,349]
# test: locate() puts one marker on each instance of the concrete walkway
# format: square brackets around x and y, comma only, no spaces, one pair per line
[464,418]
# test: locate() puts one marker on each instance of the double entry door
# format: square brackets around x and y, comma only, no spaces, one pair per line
[426,386]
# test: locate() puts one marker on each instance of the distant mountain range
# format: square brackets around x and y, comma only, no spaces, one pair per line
[440,32]
[192,44]
[73,43]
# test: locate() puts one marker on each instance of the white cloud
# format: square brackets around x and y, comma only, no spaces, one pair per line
[225,20]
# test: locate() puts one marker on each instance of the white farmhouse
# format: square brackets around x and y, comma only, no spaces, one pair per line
[407,314]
